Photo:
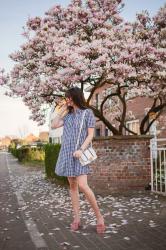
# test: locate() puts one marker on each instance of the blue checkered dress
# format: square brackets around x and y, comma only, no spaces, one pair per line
[67,165]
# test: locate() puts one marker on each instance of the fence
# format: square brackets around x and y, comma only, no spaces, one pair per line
[158,165]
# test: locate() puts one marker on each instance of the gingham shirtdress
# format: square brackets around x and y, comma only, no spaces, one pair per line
[67,165]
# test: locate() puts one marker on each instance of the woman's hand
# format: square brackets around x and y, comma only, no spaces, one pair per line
[77,153]
[62,109]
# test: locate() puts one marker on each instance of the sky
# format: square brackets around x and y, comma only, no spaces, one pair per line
[14,115]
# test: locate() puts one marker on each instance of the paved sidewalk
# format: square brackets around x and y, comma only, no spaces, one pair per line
[35,214]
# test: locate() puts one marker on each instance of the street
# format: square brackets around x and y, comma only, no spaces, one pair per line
[36,214]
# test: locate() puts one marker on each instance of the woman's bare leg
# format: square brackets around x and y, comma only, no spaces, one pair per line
[74,193]
[83,185]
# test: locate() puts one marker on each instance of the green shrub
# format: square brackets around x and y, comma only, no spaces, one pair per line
[22,154]
[36,154]
[12,149]
[27,154]
[51,156]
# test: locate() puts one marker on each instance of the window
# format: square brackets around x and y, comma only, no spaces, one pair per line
[56,140]
[106,131]
[133,126]
[98,132]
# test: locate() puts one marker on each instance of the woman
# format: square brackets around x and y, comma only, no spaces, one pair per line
[68,163]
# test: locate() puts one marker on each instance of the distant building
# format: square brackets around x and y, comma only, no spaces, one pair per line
[30,138]
[44,136]
[55,135]
[5,142]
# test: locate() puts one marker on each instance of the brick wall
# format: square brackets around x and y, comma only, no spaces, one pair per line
[123,164]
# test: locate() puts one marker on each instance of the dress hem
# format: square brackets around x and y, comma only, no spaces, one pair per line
[72,175]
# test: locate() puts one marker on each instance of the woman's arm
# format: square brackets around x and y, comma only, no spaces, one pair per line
[58,122]
[88,139]
[85,144]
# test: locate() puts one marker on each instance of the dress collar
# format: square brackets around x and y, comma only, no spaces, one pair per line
[77,111]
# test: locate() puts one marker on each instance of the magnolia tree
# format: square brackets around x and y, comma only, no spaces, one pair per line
[153,31]
[87,44]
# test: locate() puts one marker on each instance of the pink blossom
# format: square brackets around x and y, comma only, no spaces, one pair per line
[88,42]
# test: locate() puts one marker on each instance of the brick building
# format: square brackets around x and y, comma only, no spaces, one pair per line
[43,136]
[5,142]
[138,107]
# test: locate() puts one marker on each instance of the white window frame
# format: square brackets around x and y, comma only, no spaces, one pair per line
[136,121]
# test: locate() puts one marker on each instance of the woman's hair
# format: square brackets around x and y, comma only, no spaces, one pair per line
[77,97]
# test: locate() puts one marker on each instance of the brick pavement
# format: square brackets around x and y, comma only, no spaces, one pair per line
[35,214]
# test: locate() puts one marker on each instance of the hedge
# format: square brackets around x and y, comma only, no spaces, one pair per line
[27,154]
[47,154]
[51,156]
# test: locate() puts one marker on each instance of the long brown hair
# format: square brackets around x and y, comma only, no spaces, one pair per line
[77,97]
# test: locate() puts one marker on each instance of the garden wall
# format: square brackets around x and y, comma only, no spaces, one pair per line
[123,164]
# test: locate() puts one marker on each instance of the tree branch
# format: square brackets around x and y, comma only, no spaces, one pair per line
[104,120]
[150,124]
[123,112]
[101,81]
[154,109]
[105,99]
[146,117]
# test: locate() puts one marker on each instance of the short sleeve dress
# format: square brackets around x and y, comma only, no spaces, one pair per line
[67,165]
